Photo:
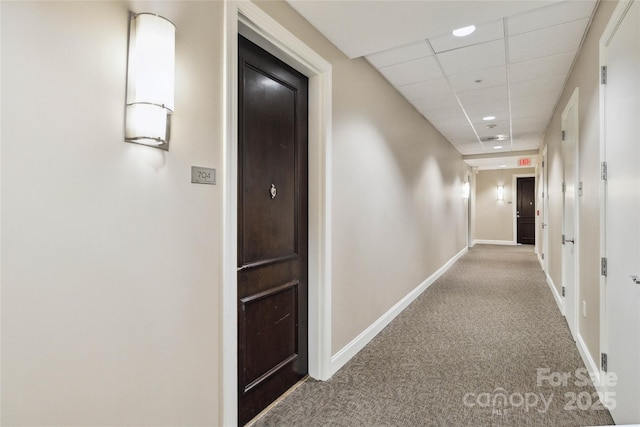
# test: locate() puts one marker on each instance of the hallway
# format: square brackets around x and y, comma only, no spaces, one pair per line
[479,347]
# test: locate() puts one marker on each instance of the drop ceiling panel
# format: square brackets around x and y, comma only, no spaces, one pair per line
[499,109]
[549,16]
[529,123]
[478,57]
[495,93]
[412,71]
[426,89]
[546,42]
[500,128]
[532,105]
[535,87]
[361,28]
[487,78]
[541,67]
[455,82]
[483,33]
[399,54]
[446,102]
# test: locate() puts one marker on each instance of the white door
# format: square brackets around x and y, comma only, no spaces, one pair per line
[621,126]
[544,196]
[570,214]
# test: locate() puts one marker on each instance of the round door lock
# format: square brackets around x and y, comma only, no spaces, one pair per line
[273,191]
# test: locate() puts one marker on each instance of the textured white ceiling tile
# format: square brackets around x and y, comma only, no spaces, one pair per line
[488,77]
[399,54]
[501,128]
[435,116]
[526,123]
[548,16]
[499,109]
[421,90]
[495,93]
[455,122]
[533,105]
[412,71]
[455,131]
[440,102]
[547,42]
[542,67]
[483,33]
[534,87]
[477,57]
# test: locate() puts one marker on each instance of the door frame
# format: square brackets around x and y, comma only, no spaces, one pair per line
[514,204]
[259,27]
[612,26]
[575,318]
[545,211]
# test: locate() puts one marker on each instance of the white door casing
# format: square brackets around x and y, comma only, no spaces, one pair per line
[253,22]
[545,214]
[620,219]
[570,212]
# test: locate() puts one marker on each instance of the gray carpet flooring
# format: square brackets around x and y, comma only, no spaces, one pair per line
[485,345]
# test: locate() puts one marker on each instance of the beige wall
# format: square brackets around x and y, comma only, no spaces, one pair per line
[585,75]
[111,259]
[493,219]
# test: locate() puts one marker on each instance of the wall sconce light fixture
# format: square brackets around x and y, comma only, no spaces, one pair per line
[501,193]
[466,189]
[150,80]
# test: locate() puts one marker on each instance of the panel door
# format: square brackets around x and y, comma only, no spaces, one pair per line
[272,229]
[622,217]
[570,120]
[526,210]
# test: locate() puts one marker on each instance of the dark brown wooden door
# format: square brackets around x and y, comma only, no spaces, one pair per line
[526,211]
[272,229]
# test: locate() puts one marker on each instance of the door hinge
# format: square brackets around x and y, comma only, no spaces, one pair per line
[603,361]
[563,291]
[603,266]
[564,187]
[603,170]
[580,190]
[542,164]
[563,135]
[603,75]
[542,256]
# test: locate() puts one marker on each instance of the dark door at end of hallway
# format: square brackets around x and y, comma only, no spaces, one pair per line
[526,211]
[272,228]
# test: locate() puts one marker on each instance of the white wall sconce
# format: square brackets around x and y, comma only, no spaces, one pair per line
[501,193]
[466,190]
[150,80]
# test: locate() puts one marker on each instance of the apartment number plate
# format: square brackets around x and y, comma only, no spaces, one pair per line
[200,175]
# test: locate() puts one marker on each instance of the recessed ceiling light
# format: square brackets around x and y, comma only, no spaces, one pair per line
[464,31]
[497,146]
[503,166]
[487,118]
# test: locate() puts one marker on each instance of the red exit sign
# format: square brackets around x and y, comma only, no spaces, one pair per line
[524,162]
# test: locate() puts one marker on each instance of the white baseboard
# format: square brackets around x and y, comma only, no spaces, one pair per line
[347,352]
[592,366]
[556,294]
[493,242]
